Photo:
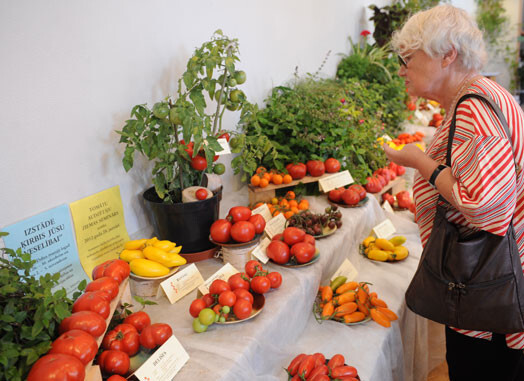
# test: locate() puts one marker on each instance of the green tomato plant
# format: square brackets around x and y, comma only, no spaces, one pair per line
[179,135]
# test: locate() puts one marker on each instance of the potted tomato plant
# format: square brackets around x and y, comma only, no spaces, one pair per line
[180,138]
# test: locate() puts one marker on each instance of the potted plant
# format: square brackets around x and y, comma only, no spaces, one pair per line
[180,138]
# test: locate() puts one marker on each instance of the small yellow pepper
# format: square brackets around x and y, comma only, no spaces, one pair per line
[129,255]
[146,268]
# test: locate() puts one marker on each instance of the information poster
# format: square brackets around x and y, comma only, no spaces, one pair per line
[49,238]
[100,227]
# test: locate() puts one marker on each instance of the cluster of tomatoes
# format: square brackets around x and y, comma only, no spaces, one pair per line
[232,300]
[199,162]
[316,367]
[401,200]
[436,119]
[295,171]
[382,176]
[406,138]
[292,246]
[240,225]
[288,205]
[348,196]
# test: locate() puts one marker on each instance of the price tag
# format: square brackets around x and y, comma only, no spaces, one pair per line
[336,180]
[387,207]
[346,269]
[260,251]
[182,283]
[226,149]
[385,229]
[275,225]
[224,273]
[263,210]
[165,363]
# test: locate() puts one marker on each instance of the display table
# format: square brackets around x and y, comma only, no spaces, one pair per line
[260,348]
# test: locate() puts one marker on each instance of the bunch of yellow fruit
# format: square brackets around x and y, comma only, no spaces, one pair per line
[152,257]
[381,249]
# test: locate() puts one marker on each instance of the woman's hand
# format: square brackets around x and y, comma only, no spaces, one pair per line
[409,156]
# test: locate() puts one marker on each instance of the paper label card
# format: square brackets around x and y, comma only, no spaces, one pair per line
[100,227]
[165,363]
[226,149]
[335,180]
[387,207]
[49,238]
[386,138]
[385,229]
[260,251]
[346,269]
[264,211]
[182,283]
[275,225]
[223,273]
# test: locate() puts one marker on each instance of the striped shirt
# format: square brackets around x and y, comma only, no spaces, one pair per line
[487,191]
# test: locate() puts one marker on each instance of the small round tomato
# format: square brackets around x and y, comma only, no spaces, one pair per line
[155,334]
[259,222]
[92,301]
[77,343]
[104,284]
[124,337]
[244,294]
[218,286]
[275,279]
[199,163]
[239,213]
[260,284]
[242,309]
[243,231]
[227,298]
[303,252]
[293,235]
[112,361]
[208,299]
[201,194]
[114,268]
[196,306]
[278,251]
[87,321]
[221,231]
[238,280]
[332,165]
[139,320]
[252,266]
[57,366]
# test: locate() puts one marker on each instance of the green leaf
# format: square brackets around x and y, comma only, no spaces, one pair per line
[62,310]
[198,99]
[37,328]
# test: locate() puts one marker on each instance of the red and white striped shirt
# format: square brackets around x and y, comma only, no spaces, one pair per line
[487,191]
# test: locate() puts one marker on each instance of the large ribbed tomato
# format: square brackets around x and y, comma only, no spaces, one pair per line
[124,337]
[114,268]
[297,171]
[139,320]
[87,321]
[92,301]
[77,343]
[57,366]
[316,167]
[112,361]
[155,334]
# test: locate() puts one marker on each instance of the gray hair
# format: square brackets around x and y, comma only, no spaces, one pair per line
[437,30]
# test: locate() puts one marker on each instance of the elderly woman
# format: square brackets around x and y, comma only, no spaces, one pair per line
[441,51]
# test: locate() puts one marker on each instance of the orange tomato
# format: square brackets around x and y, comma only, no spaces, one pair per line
[380,318]
[354,317]
[293,203]
[277,179]
[288,214]
[346,308]
[303,205]
[326,294]
[260,169]
[378,302]
[263,183]
[294,209]
[287,179]
[388,313]
[284,203]
[258,204]
[274,201]
[255,180]
[328,310]
[290,195]
[267,176]
[275,213]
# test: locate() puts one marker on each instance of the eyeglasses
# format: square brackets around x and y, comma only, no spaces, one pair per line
[401,61]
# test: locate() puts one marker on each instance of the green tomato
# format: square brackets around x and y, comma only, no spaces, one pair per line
[217,316]
[222,319]
[232,106]
[174,116]
[240,77]
[236,96]
[198,326]
[160,110]
[219,169]
[234,142]
[226,309]
[206,316]
[232,82]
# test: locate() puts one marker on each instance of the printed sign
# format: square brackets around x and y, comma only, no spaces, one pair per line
[335,180]
[264,211]
[275,225]
[385,229]
[346,269]
[387,207]
[182,283]
[260,251]
[226,149]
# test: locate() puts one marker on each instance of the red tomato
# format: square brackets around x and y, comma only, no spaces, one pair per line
[278,237]
[384,173]
[259,222]
[303,252]
[389,198]
[57,366]
[77,343]
[332,165]
[335,195]
[201,194]
[139,320]
[227,298]
[321,370]
[350,197]
[308,238]
[155,334]
[208,299]
[199,163]
[292,368]
[196,306]
[244,294]
[218,286]
[278,251]
[112,361]
[400,170]
[252,266]
[275,279]
[260,284]
[293,235]
[344,371]
[320,359]
[393,166]
[243,231]
[239,213]
[87,321]
[382,181]
[114,268]
[217,307]
[297,171]
[336,361]
[373,185]
[315,168]
[359,189]
[242,309]
[116,377]
[238,280]
[106,284]
[92,301]
[221,231]
[225,135]
[306,366]
[403,199]
[321,377]
[124,337]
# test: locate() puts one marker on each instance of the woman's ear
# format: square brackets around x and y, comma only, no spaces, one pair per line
[449,57]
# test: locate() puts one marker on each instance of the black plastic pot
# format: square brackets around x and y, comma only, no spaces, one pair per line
[186,223]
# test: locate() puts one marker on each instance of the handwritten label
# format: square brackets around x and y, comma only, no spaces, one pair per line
[336,180]
[387,207]
[223,273]
[165,363]
[264,211]
[275,225]
[226,149]
[260,251]
[385,229]
[182,283]
[346,269]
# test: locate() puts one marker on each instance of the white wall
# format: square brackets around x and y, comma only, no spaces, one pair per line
[70,72]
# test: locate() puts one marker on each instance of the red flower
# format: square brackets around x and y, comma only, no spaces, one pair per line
[342,100]
[361,121]
[365,33]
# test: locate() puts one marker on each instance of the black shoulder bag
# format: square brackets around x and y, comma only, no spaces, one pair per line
[473,281]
